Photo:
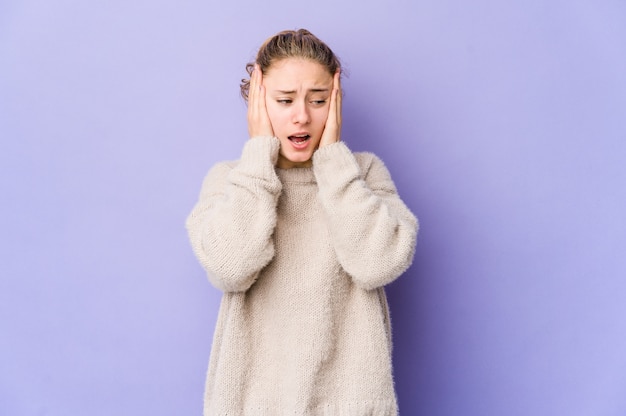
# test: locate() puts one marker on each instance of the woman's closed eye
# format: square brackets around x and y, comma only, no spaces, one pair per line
[287,101]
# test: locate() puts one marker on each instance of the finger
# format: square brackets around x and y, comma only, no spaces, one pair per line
[259,106]
[258,119]
[338,98]
[336,105]
[332,127]
[253,102]
[254,86]
[264,118]
[260,103]
[332,110]
[251,89]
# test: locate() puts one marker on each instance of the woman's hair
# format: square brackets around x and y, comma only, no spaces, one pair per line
[291,44]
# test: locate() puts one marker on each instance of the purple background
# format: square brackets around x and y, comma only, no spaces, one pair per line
[502,124]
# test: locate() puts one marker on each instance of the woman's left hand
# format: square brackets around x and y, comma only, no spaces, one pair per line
[332,129]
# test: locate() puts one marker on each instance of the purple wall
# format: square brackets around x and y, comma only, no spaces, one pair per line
[503,125]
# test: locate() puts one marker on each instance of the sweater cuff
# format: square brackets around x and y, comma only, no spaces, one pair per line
[259,156]
[335,160]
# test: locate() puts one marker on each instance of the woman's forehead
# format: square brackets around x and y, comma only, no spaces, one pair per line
[290,75]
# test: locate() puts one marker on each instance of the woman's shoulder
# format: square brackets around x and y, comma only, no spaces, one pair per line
[217,173]
[367,160]
[223,166]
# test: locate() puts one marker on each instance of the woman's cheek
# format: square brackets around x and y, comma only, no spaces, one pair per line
[271,113]
[323,115]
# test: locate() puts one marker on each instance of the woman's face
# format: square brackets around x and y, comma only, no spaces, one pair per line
[297,98]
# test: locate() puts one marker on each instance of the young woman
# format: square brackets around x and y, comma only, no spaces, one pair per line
[301,235]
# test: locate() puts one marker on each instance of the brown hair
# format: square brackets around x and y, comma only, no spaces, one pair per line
[291,44]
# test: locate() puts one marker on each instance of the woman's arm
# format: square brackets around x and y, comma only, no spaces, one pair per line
[373,231]
[231,226]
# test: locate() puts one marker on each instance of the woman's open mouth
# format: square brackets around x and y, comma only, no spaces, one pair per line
[299,141]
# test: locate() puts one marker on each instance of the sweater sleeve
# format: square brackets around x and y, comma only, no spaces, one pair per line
[231,225]
[373,231]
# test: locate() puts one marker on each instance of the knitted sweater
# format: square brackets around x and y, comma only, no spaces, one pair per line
[301,255]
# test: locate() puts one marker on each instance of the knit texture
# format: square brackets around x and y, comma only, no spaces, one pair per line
[302,256]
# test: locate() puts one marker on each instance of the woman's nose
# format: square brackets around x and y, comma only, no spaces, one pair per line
[301,113]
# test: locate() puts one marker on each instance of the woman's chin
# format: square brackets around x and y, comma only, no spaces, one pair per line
[299,160]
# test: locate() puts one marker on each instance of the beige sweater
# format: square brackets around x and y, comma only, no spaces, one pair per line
[302,255]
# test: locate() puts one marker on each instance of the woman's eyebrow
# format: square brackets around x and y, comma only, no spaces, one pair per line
[286,92]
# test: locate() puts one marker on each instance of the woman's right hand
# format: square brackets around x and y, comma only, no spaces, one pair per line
[258,120]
